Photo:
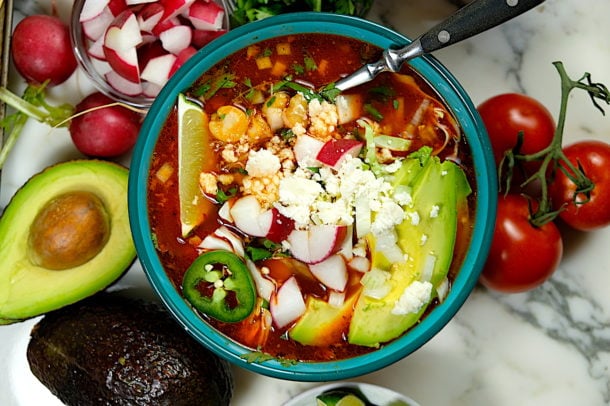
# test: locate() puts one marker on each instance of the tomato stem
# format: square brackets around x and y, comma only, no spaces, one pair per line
[552,158]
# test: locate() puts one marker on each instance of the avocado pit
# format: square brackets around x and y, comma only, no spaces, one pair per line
[69,230]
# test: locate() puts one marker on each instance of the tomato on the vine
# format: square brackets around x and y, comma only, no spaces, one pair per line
[521,256]
[505,115]
[593,157]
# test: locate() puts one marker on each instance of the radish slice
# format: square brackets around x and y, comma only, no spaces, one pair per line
[212,242]
[92,9]
[135,2]
[120,84]
[95,27]
[287,305]
[174,8]
[360,264]
[150,16]
[176,39]
[332,272]
[158,69]
[206,15]
[264,287]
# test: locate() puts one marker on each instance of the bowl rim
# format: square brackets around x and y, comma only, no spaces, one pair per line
[486,198]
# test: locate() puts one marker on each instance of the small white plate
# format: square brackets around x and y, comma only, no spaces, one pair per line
[377,395]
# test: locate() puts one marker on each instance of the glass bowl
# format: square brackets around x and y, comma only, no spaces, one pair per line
[485,198]
[96,69]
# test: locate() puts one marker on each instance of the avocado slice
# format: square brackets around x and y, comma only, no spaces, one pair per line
[28,289]
[322,323]
[110,349]
[438,190]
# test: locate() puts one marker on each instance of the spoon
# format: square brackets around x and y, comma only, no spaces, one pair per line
[470,20]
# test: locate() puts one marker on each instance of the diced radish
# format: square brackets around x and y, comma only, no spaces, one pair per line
[135,2]
[306,150]
[264,286]
[332,272]
[96,49]
[158,69]
[225,211]
[206,15]
[231,237]
[174,8]
[125,63]
[92,9]
[95,27]
[120,84]
[287,305]
[324,240]
[360,264]
[281,226]
[212,242]
[334,152]
[150,90]
[347,246]
[148,51]
[299,244]
[123,33]
[317,243]
[116,6]
[246,212]
[182,57]
[165,25]
[150,16]
[176,39]
[203,37]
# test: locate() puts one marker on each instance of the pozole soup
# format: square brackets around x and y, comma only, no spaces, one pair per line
[302,223]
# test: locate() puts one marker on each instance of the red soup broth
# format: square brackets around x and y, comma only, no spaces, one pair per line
[401,106]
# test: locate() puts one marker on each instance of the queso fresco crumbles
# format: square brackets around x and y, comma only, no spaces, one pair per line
[302,223]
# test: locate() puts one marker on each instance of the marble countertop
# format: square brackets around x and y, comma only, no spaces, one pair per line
[547,346]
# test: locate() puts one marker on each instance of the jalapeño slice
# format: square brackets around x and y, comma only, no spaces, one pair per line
[219,284]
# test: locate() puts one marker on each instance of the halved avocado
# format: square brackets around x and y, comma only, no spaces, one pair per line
[30,286]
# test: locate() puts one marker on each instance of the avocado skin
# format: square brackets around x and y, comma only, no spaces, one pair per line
[113,350]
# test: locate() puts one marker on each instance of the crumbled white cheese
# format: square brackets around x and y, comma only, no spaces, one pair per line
[434,211]
[208,183]
[414,297]
[402,195]
[323,118]
[262,163]
[414,216]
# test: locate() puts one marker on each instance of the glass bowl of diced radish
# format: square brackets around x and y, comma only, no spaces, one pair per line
[130,48]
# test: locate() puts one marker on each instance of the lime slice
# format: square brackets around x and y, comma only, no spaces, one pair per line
[194,157]
[350,400]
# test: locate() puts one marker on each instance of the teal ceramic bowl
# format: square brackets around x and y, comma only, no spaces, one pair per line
[486,197]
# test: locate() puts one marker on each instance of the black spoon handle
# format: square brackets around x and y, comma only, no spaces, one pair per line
[472,19]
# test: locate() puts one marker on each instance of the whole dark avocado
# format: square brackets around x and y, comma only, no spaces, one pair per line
[110,349]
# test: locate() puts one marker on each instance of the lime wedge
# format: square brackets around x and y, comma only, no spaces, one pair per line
[194,157]
[350,400]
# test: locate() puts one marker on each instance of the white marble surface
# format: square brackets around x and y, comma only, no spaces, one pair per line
[548,346]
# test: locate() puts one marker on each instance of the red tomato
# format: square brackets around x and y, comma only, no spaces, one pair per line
[506,114]
[521,256]
[594,158]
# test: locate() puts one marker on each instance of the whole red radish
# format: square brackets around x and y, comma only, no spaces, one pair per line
[105,132]
[42,51]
